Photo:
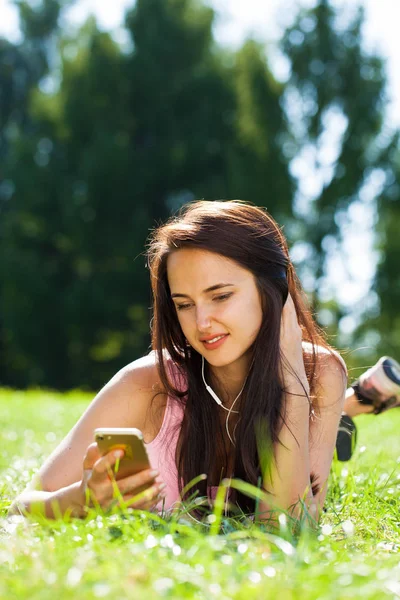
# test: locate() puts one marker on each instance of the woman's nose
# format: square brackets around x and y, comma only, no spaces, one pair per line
[203,318]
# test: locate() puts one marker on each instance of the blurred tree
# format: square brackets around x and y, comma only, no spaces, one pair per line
[22,67]
[258,169]
[180,104]
[65,235]
[113,141]
[335,99]
[380,333]
[126,139]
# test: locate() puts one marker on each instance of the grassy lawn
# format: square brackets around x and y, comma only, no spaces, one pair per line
[355,553]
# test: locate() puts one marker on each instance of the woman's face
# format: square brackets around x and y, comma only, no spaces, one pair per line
[217,302]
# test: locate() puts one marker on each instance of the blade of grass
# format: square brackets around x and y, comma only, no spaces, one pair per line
[219,504]
[192,483]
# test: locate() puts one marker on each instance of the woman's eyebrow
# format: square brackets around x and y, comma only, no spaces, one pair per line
[209,289]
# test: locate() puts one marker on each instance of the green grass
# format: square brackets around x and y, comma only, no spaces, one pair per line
[354,554]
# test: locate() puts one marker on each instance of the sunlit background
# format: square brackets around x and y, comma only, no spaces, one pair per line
[344,293]
[237,19]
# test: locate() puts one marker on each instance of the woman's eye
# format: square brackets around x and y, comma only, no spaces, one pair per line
[217,298]
[182,306]
[223,297]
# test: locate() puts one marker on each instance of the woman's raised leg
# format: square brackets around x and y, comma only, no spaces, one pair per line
[375,391]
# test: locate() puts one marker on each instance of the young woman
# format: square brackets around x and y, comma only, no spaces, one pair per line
[240,383]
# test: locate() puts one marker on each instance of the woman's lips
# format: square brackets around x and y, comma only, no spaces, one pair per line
[214,345]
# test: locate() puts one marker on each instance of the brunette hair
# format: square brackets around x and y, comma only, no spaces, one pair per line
[249,236]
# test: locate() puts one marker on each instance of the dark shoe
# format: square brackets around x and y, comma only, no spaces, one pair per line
[380,385]
[346,438]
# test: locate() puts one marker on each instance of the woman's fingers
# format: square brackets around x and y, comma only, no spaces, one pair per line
[104,464]
[97,466]
[289,315]
[104,490]
[146,499]
[289,300]
[137,481]
[97,469]
[92,456]
[292,363]
[290,334]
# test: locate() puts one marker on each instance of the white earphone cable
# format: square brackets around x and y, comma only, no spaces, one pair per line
[218,401]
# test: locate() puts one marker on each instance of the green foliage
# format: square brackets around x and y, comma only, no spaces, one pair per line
[40,21]
[353,554]
[258,167]
[336,92]
[125,137]
[384,320]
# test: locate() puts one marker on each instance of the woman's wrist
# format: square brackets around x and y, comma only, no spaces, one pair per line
[296,387]
[68,500]
[71,500]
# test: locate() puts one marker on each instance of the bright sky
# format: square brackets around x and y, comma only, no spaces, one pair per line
[265,19]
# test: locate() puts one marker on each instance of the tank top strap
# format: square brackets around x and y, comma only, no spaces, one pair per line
[174,409]
[176,374]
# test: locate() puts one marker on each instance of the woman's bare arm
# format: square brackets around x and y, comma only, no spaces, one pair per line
[288,479]
[306,445]
[331,392]
[123,402]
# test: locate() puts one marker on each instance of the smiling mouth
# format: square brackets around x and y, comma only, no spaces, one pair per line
[214,340]
[219,337]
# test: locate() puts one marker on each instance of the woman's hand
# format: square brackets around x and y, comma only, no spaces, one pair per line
[292,363]
[98,488]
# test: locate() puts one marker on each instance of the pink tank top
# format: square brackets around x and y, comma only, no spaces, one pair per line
[161,450]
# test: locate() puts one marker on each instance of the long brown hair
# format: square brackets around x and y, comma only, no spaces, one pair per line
[248,235]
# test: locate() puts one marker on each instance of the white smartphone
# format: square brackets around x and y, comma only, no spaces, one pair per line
[130,440]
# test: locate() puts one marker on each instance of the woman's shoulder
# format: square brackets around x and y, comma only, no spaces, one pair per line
[330,372]
[325,355]
[144,373]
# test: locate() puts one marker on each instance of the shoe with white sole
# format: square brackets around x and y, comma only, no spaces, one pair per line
[379,387]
